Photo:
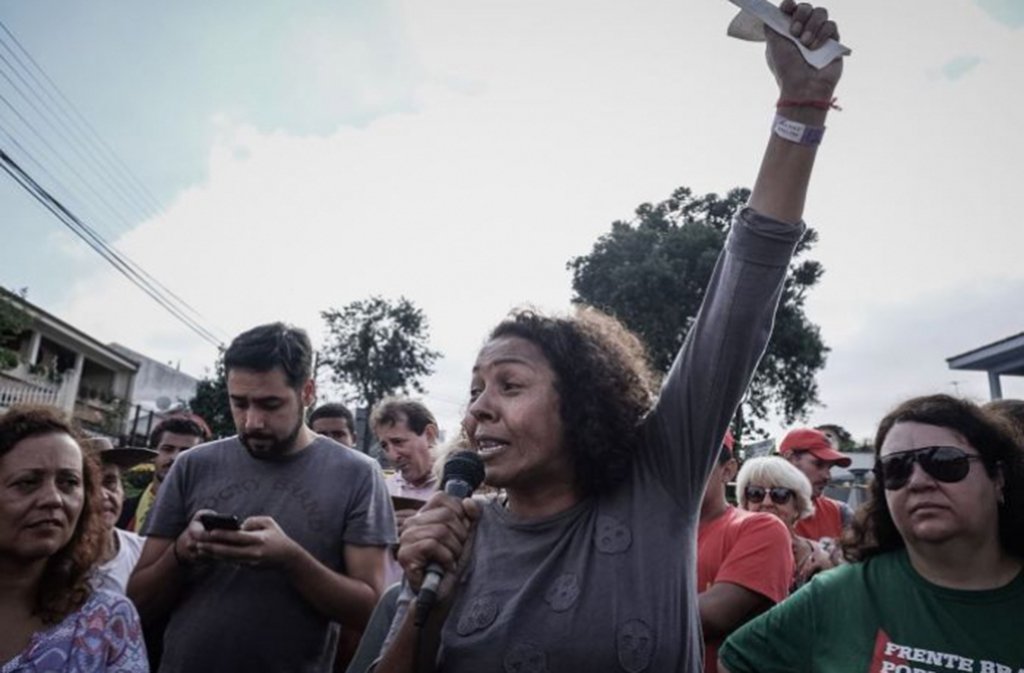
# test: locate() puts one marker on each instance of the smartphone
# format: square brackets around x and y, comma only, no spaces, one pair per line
[401,502]
[219,521]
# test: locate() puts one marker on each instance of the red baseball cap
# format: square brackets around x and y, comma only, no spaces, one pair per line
[814,441]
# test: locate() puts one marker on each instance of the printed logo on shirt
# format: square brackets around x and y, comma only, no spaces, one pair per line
[478,615]
[525,658]
[635,641]
[299,493]
[613,536]
[563,592]
[891,657]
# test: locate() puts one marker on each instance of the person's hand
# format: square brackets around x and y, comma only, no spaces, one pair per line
[403,515]
[820,560]
[439,533]
[259,543]
[186,545]
[797,79]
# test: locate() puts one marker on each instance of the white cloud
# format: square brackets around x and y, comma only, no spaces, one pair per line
[537,124]
[900,351]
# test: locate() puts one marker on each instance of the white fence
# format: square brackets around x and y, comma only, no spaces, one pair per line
[13,392]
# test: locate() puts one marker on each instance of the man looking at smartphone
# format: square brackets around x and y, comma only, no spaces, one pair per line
[314,525]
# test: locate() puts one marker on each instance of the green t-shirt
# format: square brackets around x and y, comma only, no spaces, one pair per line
[880,616]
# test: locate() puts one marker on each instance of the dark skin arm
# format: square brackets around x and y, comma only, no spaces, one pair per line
[440,532]
[725,607]
[781,187]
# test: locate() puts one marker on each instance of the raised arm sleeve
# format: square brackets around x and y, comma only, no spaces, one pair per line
[716,362]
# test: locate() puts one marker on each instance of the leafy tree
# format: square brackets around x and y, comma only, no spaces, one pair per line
[846,441]
[651,273]
[376,347]
[211,401]
[13,321]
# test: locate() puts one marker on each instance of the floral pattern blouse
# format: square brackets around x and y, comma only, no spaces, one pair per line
[103,636]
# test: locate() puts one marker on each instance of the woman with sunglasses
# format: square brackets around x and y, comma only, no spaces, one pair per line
[938,583]
[772,484]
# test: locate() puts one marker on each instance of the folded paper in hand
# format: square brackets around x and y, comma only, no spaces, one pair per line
[750,22]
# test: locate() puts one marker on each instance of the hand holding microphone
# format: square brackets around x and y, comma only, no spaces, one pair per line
[433,541]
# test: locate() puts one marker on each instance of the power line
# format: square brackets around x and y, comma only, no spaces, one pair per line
[121,263]
[59,156]
[97,150]
[75,116]
[62,130]
[183,305]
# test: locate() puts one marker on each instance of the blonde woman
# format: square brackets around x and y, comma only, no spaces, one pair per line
[772,484]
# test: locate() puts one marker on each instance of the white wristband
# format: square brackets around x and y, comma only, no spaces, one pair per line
[798,133]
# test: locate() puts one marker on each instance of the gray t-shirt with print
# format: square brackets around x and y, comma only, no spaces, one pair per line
[609,585]
[236,618]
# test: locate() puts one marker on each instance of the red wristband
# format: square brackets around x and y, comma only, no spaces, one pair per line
[829,104]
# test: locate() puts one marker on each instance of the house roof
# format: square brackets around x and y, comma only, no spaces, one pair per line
[1001,357]
[70,336]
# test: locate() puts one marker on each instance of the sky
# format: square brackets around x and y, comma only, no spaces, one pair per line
[302,155]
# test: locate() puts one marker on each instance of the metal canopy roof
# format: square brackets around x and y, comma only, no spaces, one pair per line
[1003,357]
[997,358]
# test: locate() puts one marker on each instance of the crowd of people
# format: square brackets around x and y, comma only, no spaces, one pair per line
[603,538]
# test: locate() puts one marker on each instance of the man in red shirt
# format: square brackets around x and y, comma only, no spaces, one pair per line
[811,452]
[744,560]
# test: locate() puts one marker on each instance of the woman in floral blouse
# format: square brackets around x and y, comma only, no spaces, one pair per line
[50,539]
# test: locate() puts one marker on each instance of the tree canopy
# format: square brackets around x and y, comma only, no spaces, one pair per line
[651,271]
[376,347]
[13,321]
[211,401]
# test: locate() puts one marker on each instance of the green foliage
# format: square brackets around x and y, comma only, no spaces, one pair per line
[13,321]
[211,401]
[846,441]
[377,348]
[651,273]
[113,418]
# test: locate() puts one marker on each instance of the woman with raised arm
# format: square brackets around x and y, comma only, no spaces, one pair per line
[938,551]
[587,563]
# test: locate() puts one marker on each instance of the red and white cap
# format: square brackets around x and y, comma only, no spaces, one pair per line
[814,441]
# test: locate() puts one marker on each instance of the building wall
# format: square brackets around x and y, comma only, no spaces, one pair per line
[155,380]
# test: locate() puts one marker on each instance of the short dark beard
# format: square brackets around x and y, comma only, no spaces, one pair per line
[280,447]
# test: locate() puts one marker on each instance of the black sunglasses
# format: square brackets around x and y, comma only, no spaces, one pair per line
[948,464]
[778,494]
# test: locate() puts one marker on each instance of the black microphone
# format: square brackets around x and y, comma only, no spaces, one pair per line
[463,473]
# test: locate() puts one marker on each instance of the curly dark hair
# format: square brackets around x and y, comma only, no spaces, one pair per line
[63,587]
[604,383]
[874,532]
